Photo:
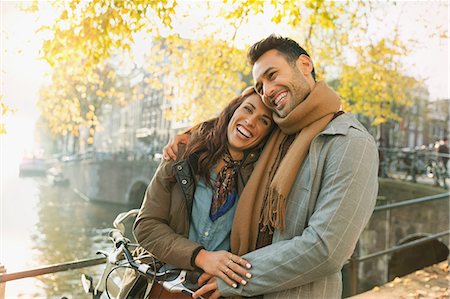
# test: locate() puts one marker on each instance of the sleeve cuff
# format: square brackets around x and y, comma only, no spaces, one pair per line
[194,256]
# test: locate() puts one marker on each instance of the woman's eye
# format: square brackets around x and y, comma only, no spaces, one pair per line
[265,121]
[247,109]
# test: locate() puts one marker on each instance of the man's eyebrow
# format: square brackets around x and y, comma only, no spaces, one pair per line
[266,72]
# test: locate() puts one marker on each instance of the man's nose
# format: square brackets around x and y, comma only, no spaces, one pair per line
[268,90]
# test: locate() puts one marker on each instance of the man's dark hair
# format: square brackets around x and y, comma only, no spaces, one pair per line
[289,48]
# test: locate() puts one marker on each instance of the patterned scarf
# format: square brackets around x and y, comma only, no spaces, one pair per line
[225,192]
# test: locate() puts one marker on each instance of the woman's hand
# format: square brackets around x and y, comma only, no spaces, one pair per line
[171,149]
[225,265]
[210,288]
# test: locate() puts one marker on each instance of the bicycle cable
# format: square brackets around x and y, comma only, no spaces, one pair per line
[109,273]
[126,264]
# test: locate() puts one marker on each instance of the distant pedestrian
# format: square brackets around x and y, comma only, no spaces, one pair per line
[443,152]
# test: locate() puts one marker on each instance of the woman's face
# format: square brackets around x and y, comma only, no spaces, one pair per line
[248,126]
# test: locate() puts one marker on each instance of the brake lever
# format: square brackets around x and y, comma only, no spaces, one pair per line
[177,286]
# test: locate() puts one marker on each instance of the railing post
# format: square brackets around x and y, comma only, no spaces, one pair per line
[413,166]
[2,284]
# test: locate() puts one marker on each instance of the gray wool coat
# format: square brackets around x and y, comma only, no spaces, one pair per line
[328,207]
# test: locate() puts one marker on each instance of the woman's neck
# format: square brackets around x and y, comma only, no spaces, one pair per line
[236,155]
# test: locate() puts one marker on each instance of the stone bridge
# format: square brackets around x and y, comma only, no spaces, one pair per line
[121,182]
[124,182]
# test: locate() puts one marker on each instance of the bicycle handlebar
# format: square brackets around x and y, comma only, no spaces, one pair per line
[117,237]
[118,222]
[174,286]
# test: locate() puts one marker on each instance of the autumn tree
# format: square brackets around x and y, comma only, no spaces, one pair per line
[73,100]
[95,30]
[202,67]
[201,74]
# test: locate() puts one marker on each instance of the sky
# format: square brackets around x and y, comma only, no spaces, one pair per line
[22,73]
[430,59]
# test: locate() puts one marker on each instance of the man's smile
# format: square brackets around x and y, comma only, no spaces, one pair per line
[278,100]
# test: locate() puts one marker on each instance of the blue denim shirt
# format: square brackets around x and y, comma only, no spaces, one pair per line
[211,235]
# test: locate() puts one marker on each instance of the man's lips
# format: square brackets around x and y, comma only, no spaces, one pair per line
[243,131]
[278,99]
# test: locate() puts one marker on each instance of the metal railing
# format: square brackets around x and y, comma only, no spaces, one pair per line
[402,247]
[409,202]
[67,266]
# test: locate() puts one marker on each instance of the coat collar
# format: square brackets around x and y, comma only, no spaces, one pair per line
[341,125]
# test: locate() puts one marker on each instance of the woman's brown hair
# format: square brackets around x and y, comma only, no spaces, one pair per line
[209,139]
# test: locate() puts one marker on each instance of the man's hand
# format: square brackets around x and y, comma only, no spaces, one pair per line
[229,267]
[210,287]
[171,149]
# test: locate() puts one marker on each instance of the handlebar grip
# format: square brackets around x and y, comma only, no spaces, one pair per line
[117,237]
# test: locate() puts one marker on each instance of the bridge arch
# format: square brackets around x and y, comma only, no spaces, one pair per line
[136,191]
[415,258]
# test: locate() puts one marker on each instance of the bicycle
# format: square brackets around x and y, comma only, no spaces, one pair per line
[437,171]
[171,280]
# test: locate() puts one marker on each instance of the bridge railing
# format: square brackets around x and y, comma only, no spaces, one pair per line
[352,262]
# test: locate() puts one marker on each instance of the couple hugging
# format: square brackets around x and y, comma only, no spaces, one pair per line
[268,199]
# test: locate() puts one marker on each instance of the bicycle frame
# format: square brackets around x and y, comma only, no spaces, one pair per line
[171,280]
[112,260]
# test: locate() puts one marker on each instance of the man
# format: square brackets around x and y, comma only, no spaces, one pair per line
[313,189]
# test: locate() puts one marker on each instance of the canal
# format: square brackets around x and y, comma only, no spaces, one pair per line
[43,224]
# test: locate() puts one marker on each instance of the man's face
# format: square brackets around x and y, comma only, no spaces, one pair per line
[281,85]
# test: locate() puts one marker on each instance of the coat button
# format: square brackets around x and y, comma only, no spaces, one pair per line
[184,182]
[179,167]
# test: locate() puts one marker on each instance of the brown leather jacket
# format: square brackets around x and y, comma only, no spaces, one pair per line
[162,225]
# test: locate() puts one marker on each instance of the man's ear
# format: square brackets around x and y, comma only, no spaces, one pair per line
[304,64]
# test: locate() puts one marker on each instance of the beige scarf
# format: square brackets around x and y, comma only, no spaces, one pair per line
[267,206]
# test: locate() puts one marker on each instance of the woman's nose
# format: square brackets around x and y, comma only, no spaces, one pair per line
[250,121]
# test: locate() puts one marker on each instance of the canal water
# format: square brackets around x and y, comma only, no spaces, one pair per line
[42,224]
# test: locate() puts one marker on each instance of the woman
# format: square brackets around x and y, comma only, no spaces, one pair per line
[187,213]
